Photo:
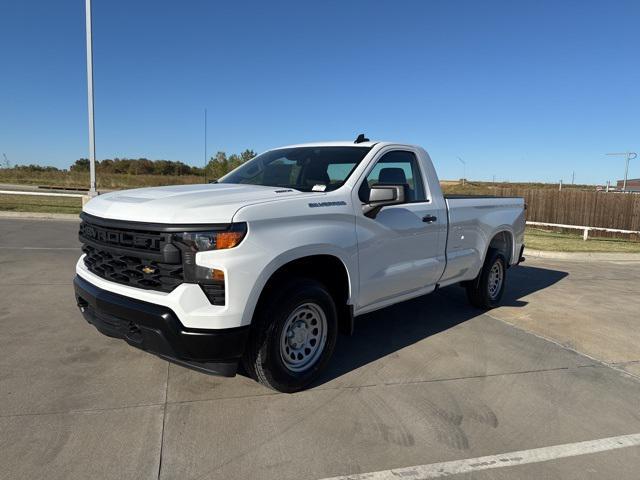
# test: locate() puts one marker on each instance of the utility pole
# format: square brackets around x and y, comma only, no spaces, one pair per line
[464,170]
[573,177]
[628,156]
[205,145]
[92,137]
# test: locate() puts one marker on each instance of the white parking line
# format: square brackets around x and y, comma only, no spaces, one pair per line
[511,459]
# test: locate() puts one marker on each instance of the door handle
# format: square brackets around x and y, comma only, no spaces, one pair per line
[429,218]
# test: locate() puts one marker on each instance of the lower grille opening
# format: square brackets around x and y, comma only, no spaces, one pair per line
[215,292]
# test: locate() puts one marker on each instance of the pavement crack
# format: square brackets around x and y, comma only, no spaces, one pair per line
[164,417]
[230,397]
[383,384]
[625,363]
[452,379]
[85,410]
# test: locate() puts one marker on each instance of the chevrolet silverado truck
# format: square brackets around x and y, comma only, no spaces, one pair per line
[266,266]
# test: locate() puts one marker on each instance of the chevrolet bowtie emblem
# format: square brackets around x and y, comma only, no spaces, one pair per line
[148,270]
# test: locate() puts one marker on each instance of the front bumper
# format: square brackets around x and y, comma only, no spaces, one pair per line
[156,329]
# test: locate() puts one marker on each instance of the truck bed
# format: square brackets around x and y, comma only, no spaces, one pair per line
[472,221]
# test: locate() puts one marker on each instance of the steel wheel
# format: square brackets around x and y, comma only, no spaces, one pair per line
[303,337]
[496,276]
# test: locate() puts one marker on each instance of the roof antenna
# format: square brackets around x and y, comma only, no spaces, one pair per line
[361,138]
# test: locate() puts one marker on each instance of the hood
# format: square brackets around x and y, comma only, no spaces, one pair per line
[205,203]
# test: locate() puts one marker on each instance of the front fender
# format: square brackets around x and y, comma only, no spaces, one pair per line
[348,261]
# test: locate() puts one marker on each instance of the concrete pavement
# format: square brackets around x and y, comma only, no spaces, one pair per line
[426,381]
[595,310]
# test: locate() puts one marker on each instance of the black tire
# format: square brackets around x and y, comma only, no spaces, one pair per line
[479,291]
[263,358]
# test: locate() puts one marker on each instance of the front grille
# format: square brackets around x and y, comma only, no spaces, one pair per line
[132,270]
[128,253]
[146,255]
[144,241]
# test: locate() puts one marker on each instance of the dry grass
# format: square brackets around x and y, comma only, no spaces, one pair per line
[105,181]
[41,204]
[538,239]
[489,188]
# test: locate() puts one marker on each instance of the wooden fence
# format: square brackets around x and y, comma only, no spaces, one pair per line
[576,207]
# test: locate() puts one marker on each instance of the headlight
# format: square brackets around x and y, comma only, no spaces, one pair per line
[213,240]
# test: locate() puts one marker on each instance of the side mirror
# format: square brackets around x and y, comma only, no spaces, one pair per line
[382,196]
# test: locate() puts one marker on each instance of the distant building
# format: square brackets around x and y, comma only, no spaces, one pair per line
[633,185]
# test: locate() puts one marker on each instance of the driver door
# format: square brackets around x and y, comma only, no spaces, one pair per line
[401,250]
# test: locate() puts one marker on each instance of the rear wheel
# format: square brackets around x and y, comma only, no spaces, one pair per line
[485,291]
[293,336]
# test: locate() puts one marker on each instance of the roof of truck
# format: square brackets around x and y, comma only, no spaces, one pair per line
[340,144]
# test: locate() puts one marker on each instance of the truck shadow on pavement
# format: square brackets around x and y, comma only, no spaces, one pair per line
[388,330]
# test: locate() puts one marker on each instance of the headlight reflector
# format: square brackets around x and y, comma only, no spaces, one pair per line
[213,240]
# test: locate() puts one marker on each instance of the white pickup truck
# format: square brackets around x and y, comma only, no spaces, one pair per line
[267,265]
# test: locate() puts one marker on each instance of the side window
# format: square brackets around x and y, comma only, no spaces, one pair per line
[398,168]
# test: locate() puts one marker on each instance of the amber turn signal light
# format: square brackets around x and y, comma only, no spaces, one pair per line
[217,275]
[228,239]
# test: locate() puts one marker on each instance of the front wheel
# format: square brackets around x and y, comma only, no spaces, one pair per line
[293,336]
[485,291]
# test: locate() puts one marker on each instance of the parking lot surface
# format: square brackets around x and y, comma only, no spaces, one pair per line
[427,381]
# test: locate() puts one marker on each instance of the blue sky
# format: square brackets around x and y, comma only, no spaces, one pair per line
[521,90]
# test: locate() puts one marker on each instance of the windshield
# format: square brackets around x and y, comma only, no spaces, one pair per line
[309,169]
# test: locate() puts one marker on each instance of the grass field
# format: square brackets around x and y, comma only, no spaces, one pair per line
[41,204]
[488,188]
[538,239]
[105,181]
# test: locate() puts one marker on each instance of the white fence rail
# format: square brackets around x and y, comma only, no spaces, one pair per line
[43,194]
[585,234]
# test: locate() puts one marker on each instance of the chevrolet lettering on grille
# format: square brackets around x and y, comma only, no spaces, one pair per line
[120,238]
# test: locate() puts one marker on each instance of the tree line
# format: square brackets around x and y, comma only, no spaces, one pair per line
[219,165]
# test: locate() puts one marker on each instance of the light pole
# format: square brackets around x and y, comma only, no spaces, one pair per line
[629,156]
[464,170]
[92,137]
[205,145]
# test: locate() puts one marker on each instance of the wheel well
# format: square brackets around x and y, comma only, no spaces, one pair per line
[503,242]
[328,270]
